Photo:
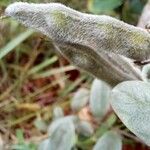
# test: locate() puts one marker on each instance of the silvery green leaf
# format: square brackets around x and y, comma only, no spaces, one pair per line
[131,102]
[62,134]
[40,124]
[99,98]
[57,113]
[84,128]
[80,99]
[56,123]
[109,141]
[101,33]
[111,68]
[45,145]
[97,44]
[146,72]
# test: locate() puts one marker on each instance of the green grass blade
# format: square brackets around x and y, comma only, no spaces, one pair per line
[53,72]
[43,65]
[15,42]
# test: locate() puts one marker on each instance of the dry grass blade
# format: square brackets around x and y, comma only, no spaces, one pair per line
[3,17]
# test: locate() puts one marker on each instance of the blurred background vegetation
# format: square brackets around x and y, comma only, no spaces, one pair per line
[34,80]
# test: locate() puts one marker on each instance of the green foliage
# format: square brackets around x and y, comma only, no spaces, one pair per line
[99,6]
[131,10]
[106,125]
[22,145]
[15,42]
[136,6]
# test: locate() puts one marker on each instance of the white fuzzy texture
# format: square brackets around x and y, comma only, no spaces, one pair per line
[103,33]
[131,102]
[88,41]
